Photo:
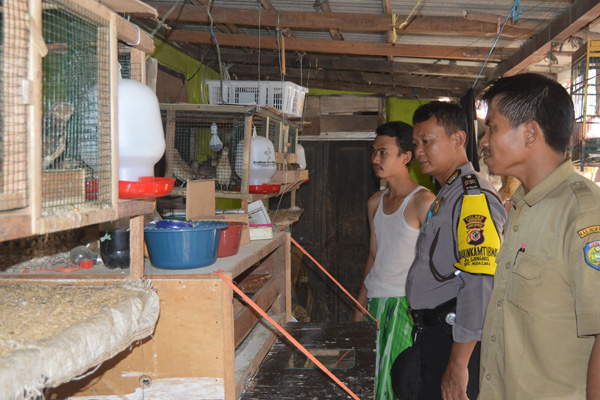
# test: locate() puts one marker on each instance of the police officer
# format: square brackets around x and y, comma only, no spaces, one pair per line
[450,280]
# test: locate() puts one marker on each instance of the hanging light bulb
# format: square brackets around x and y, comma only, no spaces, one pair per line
[215,143]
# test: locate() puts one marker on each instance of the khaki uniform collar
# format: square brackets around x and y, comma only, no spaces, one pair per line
[546,186]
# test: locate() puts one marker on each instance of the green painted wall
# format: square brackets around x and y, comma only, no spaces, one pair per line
[191,68]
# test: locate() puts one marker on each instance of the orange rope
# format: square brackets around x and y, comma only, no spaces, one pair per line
[286,334]
[333,279]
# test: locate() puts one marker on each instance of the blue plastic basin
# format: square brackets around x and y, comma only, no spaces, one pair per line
[183,248]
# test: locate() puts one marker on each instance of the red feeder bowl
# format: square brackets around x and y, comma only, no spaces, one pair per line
[229,241]
[147,186]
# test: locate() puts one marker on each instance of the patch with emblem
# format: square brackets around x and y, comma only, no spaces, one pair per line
[588,231]
[591,253]
[474,224]
[436,206]
[453,177]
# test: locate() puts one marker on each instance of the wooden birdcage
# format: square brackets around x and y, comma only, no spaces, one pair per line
[585,92]
[58,139]
[189,129]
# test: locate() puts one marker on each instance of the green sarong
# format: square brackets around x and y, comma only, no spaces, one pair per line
[394,336]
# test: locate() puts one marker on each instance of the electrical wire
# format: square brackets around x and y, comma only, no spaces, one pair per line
[218,49]
[515,12]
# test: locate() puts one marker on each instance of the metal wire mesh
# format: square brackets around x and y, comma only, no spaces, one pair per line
[189,150]
[14,50]
[189,154]
[292,140]
[275,134]
[129,69]
[76,145]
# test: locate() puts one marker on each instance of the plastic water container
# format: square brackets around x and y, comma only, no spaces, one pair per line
[301,156]
[141,136]
[262,160]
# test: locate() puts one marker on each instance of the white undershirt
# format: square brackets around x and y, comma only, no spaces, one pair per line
[396,241]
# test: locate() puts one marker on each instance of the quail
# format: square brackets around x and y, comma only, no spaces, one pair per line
[224,169]
[54,131]
[181,170]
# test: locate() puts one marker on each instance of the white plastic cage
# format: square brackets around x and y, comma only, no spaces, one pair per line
[286,97]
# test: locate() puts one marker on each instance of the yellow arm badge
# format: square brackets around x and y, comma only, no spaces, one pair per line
[478,239]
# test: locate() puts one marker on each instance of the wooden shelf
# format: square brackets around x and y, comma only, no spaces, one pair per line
[206,343]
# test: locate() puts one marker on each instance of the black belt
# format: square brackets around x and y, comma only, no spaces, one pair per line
[442,314]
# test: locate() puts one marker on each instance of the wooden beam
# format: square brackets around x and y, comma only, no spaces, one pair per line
[581,13]
[354,22]
[366,78]
[336,34]
[365,64]
[329,47]
[411,93]
[130,6]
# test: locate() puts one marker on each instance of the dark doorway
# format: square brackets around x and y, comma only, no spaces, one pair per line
[333,227]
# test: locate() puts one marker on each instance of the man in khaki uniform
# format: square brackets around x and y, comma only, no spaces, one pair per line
[540,336]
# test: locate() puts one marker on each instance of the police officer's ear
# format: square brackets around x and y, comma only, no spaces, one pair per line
[460,138]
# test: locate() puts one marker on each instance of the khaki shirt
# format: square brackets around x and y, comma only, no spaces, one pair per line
[545,306]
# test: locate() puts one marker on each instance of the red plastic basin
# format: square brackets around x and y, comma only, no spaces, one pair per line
[229,241]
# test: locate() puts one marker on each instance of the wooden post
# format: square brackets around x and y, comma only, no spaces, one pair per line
[13,181]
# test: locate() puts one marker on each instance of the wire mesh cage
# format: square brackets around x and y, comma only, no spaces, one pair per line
[203,145]
[209,142]
[76,132]
[14,54]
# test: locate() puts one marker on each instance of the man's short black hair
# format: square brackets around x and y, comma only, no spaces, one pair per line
[403,134]
[449,115]
[534,97]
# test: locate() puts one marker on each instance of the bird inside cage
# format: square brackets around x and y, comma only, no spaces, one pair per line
[182,171]
[224,170]
[54,131]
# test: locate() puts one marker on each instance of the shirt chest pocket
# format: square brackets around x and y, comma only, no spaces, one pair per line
[524,286]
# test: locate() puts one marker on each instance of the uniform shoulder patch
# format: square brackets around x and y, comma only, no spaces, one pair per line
[591,253]
[588,231]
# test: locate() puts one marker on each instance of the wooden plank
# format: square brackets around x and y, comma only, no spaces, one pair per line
[62,187]
[190,341]
[247,319]
[131,7]
[349,123]
[136,247]
[356,22]
[13,161]
[34,122]
[15,226]
[350,104]
[252,352]
[341,47]
[278,378]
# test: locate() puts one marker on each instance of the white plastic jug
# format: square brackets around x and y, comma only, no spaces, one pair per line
[301,156]
[262,160]
[141,135]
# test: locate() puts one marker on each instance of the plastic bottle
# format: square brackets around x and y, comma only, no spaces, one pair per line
[141,137]
[262,160]
[81,255]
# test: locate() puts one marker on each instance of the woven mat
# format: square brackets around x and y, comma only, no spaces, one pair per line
[51,334]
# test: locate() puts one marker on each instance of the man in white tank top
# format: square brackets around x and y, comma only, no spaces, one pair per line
[395,216]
